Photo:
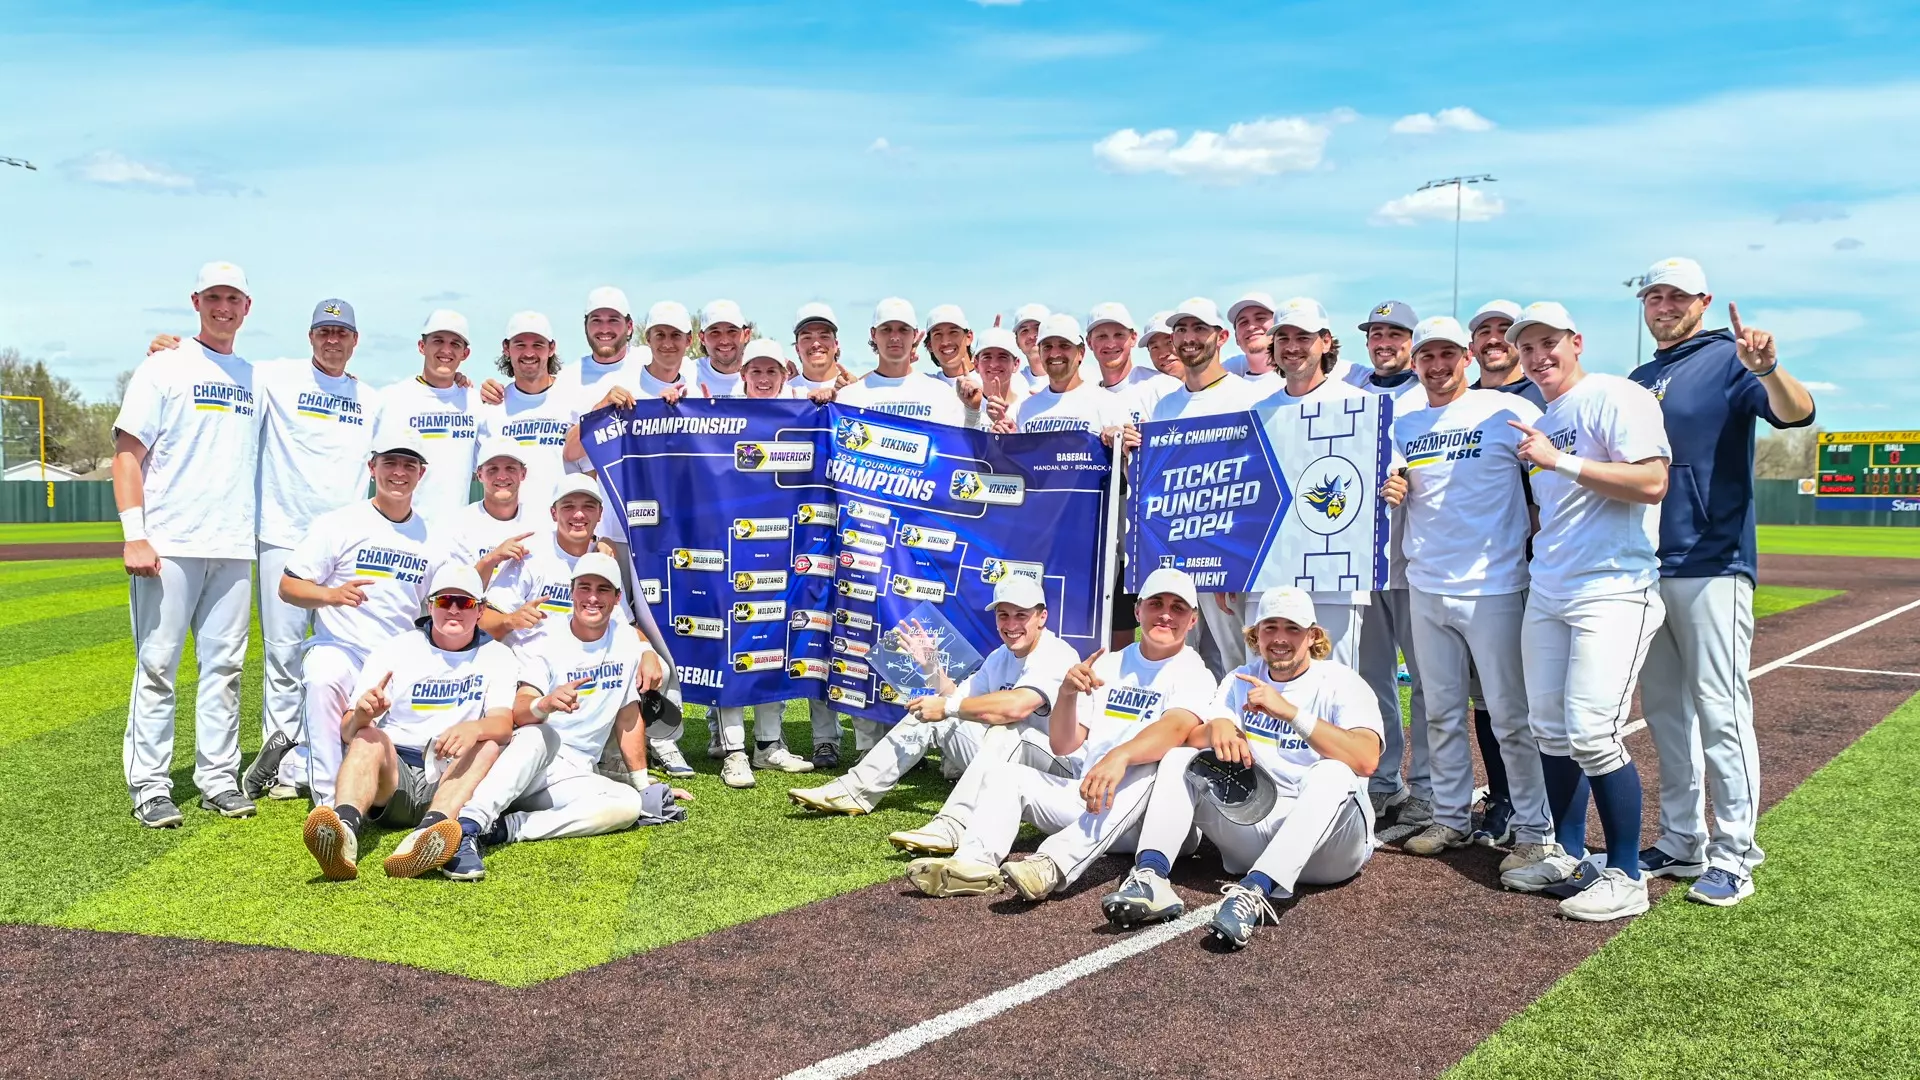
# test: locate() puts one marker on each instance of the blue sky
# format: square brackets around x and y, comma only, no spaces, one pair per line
[406,156]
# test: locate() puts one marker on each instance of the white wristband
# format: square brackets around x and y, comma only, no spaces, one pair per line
[133,524]
[1569,466]
[1304,722]
[538,712]
[952,711]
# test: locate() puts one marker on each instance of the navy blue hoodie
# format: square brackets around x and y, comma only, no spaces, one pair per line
[1710,400]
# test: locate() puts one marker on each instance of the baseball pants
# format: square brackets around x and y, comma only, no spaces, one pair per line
[1454,633]
[283,632]
[766,724]
[329,672]
[1386,635]
[210,598]
[1012,792]
[961,743]
[1321,835]
[546,792]
[659,730]
[1581,658]
[1700,710]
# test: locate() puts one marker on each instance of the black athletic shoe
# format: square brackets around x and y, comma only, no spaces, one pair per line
[158,813]
[826,755]
[265,769]
[228,804]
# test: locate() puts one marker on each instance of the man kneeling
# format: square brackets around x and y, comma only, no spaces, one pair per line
[1305,725]
[431,710]
[1123,712]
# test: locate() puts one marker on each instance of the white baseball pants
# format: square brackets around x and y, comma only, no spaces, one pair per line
[329,672]
[1454,633]
[209,598]
[1320,836]
[283,632]
[1386,635]
[547,792]
[1581,658]
[766,724]
[1700,710]
[1012,792]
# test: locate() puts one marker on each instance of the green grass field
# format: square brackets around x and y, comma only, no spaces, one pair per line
[65,532]
[1880,542]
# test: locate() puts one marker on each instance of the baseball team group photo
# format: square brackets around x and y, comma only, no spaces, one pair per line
[889,672]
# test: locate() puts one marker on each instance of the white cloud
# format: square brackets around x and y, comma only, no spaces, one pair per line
[1849,243]
[113,169]
[1037,48]
[879,146]
[1803,324]
[1822,387]
[1458,118]
[1437,204]
[1264,147]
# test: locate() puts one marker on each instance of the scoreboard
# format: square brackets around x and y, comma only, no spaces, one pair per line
[1868,470]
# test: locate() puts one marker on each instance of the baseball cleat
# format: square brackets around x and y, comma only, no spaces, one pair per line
[264,773]
[228,804]
[1435,839]
[1144,897]
[280,792]
[937,837]
[1657,863]
[334,846]
[158,813]
[1613,896]
[1034,877]
[1240,914]
[1495,828]
[1524,855]
[465,865]
[953,877]
[424,849]
[826,756]
[666,755]
[831,798]
[1552,868]
[1384,801]
[779,757]
[1721,888]
[736,771]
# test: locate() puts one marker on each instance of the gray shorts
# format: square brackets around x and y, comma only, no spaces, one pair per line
[412,791]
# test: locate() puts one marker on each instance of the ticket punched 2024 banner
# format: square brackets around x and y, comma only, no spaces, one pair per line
[781,544]
[1281,495]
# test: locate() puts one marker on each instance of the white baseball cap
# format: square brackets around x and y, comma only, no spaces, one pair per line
[215,274]
[608,298]
[1303,313]
[1494,309]
[947,313]
[597,564]
[1159,324]
[1542,313]
[894,309]
[1200,308]
[1019,590]
[1286,602]
[1110,312]
[1682,274]
[576,484]
[1252,299]
[996,337]
[394,435]
[450,321]
[456,577]
[1441,328]
[1032,313]
[500,446]
[1172,582]
[763,348]
[721,311]
[529,322]
[1061,326]
[814,312]
[669,313]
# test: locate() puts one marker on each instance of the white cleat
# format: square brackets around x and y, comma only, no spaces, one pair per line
[953,877]
[780,758]
[941,836]
[1613,896]
[831,798]
[736,771]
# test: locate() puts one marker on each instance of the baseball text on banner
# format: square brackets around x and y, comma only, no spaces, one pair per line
[1281,495]
[780,543]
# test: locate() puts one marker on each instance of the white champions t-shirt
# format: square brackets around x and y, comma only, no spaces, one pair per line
[1136,691]
[916,395]
[1139,391]
[1084,408]
[544,576]
[445,423]
[719,383]
[433,689]
[1466,501]
[537,423]
[1589,545]
[1228,394]
[313,446]
[195,412]
[470,534]
[610,667]
[1332,693]
[1042,670]
[357,541]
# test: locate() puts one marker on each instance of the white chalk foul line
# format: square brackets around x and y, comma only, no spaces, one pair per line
[1856,670]
[906,1041]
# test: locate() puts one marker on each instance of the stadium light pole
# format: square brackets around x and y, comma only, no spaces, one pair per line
[1636,283]
[1459,184]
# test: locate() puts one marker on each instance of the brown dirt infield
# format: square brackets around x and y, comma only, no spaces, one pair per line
[1398,973]
[28,552]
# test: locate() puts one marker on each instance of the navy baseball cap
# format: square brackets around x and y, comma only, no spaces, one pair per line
[1392,313]
[333,313]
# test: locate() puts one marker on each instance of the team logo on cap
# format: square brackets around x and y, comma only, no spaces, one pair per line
[331,309]
[1384,309]
[1334,500]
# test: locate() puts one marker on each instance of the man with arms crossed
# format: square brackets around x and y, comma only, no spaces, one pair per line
[186,443]
[1599,456]
[439,405]
[1712,386]
[1310,728]
[1105,700]
[430,711]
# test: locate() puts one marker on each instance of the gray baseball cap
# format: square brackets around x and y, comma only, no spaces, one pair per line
[333,313]
[1392,313]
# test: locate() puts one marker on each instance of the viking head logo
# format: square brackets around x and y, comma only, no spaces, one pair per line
[1329,497]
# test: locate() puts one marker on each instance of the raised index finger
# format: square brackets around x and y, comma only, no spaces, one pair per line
[1246,678]
[384,680]
[1522,427]
[1733,316]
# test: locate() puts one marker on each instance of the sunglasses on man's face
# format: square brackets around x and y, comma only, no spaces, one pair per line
[453,602]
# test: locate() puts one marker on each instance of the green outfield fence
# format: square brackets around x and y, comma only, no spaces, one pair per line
[1778,502]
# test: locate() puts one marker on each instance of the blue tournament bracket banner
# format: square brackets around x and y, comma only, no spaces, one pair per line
[1282,495]
[782,545]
